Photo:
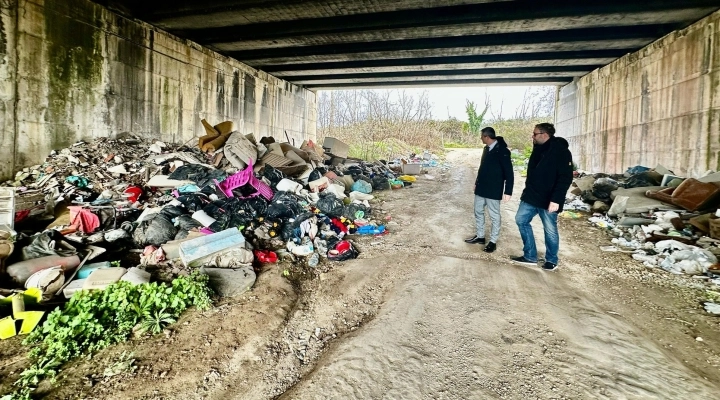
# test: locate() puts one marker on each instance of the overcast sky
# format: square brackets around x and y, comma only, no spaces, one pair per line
[450,101]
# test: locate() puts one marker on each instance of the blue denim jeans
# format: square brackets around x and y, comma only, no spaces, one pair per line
[525,214]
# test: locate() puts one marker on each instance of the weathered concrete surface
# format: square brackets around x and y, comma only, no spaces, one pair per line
[73,70]
[660,105]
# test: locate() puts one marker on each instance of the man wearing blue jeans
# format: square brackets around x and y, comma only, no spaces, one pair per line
[549,176]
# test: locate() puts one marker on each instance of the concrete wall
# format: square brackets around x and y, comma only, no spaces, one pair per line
[72,70]
[660,105]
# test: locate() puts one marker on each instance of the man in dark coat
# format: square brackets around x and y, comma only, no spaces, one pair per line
[549,176]
[494,182]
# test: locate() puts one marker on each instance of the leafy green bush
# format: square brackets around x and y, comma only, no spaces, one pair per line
[94,320]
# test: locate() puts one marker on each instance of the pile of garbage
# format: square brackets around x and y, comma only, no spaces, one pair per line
[223,206]
[661,219]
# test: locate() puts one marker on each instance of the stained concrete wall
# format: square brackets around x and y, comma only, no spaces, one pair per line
[72,70]
[660,105]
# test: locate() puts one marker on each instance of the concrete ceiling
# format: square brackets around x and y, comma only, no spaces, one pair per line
[370,43]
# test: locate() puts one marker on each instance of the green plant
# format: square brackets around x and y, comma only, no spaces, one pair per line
[155,322]
[94,320]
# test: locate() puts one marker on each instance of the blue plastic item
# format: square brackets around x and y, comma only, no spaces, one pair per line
[362,187]
[370,230]
[87,269]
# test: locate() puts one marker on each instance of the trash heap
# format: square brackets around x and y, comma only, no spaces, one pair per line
[661,219]
[222,205]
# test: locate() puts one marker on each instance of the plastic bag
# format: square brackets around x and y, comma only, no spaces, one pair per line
[201,175]
[380,183]
[157,230]
[603,187]
[362,187]
[284,205]
[330,205]
[352,211]
[45,244]
[273,175]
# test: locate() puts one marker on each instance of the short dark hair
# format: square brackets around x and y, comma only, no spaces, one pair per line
[546,127]
[489,132]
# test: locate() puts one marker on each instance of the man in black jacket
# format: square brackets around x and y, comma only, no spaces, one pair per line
[494,177]
[549,176]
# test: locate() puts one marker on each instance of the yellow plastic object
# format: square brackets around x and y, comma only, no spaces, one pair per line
[30,320]
[7,328]
[407,178]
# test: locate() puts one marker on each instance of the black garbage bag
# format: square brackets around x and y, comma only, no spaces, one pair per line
[45,244]
[186,223]
[330,205]
[350,211]
[284,205]
[315,175]
[644,179]
[158,229]
[173,211]
[194,201]
[201,175]
[234,212]
[273,175]
[603,187]
[380,182]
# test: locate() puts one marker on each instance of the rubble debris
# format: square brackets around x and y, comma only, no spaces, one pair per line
[226,203]
[661,220]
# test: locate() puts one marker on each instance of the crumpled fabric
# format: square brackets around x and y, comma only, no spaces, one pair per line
[44,245]
[152,255]
[85,220]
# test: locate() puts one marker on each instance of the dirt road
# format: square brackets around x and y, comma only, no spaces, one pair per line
[422,315]
[467,327]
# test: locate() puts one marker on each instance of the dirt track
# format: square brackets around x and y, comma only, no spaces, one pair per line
[423,315]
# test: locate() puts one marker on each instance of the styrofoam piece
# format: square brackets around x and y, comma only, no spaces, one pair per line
[286,185]
[172,248]
[136,276]
[336,147]
[164,181]
[73,287]
[202,217]
[104,277]
[194,252]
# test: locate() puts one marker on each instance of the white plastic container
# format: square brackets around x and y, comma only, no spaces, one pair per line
[411,169]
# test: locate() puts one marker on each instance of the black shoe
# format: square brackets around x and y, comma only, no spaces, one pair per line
[475,239]
[548,266]
[524,261]
[490,247]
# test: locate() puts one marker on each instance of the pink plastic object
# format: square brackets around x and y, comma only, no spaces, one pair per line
[241,178]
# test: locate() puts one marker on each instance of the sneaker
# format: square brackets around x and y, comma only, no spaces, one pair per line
[548,266]
[490,247]
[522,260]
[475,239]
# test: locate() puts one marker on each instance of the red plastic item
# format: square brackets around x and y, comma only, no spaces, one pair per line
[134,193]
[342,246]
[266,256]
